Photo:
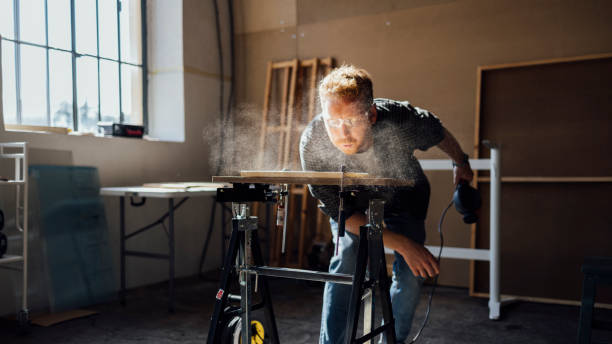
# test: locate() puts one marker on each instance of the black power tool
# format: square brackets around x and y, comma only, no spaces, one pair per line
[467,202]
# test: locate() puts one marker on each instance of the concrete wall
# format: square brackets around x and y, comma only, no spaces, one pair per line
[183,89]
[423,51]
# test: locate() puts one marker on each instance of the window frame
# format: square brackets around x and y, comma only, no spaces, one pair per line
[74,56]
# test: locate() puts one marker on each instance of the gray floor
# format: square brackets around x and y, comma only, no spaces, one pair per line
[455,318]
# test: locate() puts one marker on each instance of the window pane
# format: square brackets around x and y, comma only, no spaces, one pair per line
[131,31]
[60,82]
[9,100]
[6,19]
[131,94]
[87,93]
[58,12]
[109,91]
[108,28]
[32,21]
[33,85]
[85,25]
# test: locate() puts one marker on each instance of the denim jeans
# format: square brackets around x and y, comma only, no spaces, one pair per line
[405,287]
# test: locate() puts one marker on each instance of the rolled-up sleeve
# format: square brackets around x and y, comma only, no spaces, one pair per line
[427,127]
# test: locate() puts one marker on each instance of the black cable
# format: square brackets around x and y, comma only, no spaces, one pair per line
[435,283]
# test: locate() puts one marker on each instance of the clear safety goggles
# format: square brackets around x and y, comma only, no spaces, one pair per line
[348,122]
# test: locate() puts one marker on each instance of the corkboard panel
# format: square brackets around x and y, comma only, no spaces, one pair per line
[552,120]
[546,232]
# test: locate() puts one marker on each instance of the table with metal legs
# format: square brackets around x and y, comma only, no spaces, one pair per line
[153,192]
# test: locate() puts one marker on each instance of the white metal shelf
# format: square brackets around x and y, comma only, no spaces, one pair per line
[12,144]
[491,255]
[19,151]
[12,155]
[7,259]
[11,182]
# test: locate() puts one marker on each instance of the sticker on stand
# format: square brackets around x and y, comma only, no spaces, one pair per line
[219,294]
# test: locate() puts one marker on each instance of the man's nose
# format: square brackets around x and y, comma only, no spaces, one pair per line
[346,132]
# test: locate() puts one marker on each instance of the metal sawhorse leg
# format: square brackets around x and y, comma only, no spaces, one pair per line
[244,249]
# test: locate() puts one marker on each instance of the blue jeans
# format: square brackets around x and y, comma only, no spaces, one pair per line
[405,287]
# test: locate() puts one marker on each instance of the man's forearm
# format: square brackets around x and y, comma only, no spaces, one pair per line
[451,147]
[420,261]
[462,170]
[391,240]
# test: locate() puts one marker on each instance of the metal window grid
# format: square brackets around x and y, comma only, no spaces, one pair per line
[73,51]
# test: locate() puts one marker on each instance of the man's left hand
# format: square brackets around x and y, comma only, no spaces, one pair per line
[463,173]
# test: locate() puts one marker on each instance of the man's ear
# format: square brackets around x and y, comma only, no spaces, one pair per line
[373,114]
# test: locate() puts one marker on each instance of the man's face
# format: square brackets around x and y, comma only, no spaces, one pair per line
[348,125]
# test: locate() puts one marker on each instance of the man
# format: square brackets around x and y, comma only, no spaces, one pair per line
[377,136]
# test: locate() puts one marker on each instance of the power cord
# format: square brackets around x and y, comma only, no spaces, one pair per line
[435,282]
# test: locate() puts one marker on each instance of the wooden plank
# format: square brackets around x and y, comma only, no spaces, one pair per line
[182,186]
[303,214]
[300,190]
[290,113]
[308,63]
[476,152]
[266,110]
[283,115]
[313,89]
[302,174]
[282,64]
[23,127]
[51,319]
[314,181]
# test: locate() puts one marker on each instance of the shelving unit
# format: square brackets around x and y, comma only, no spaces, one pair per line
[18,152]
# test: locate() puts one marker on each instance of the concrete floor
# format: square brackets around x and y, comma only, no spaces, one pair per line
[455,318]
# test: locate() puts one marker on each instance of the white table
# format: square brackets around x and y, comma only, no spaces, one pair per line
[168,191]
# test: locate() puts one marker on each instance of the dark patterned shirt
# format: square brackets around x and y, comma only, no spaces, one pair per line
[400,128]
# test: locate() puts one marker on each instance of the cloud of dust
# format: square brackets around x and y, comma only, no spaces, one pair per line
[235,145]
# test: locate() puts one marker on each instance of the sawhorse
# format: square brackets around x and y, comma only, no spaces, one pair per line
[244,259]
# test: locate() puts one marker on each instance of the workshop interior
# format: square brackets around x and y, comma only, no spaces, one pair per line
[305,171]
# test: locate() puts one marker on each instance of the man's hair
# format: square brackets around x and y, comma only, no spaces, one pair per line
[348,83]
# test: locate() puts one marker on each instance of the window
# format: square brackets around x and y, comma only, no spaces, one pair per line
[72,63]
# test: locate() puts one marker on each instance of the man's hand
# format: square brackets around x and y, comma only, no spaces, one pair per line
[463,173]
[419,259]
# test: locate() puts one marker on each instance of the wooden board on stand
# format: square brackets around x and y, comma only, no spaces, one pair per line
[302,174]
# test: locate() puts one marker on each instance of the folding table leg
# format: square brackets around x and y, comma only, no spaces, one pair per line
[122,247]
[171,258]
[211,226]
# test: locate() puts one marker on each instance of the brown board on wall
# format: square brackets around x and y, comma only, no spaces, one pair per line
[553,120]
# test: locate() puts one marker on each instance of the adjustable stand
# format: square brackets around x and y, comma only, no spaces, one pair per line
[371,251]
[244,245]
